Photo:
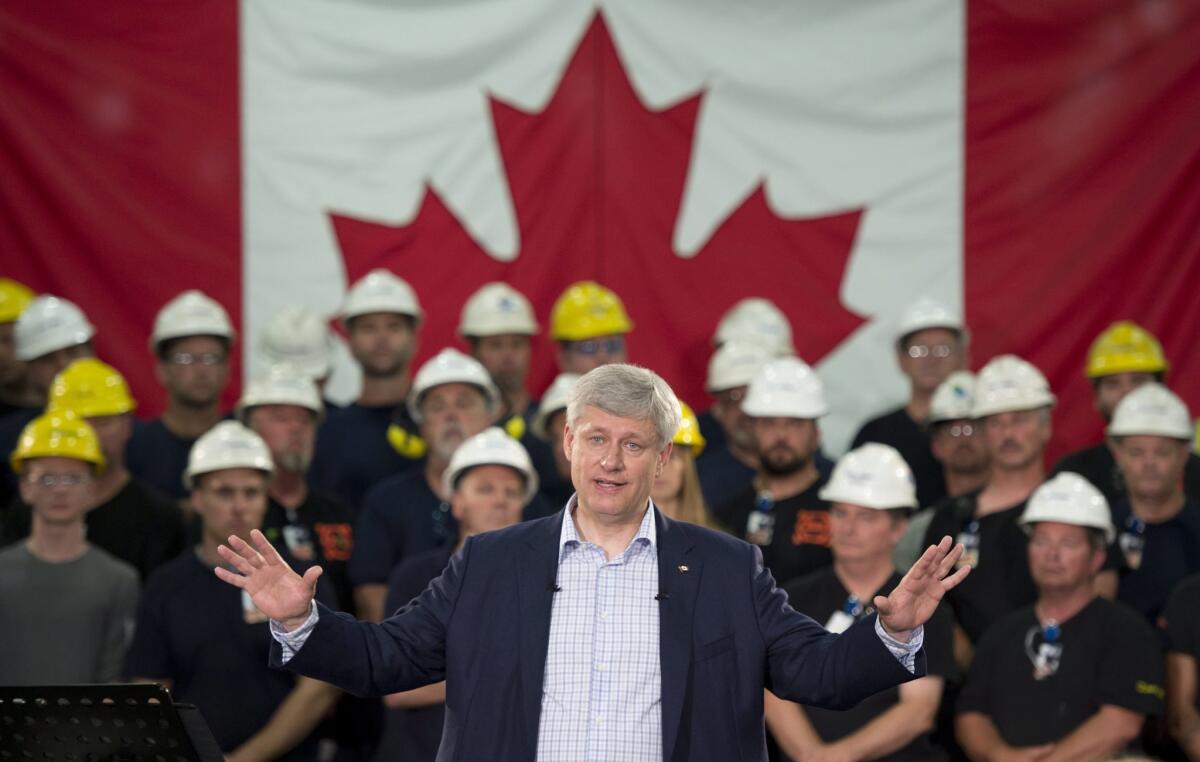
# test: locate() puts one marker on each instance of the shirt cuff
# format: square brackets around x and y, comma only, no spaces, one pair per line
[291,642]
[905,653]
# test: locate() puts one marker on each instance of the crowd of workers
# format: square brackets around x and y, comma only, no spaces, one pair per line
[1075,637]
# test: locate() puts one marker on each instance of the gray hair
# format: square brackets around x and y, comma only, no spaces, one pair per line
[627,391]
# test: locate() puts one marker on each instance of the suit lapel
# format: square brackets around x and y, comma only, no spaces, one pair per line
[537,569]
[679,578]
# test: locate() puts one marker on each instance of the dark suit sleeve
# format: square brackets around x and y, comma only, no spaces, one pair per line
[808,665]
[403,652]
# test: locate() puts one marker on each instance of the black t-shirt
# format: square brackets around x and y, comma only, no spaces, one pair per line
[413,735]
[192,629]
[911,439]
[1097,465]
[1000,582]
[799,542]
[11,427]
[712,431]
[158,456]
[1170,551]
[400,517]
[1110,655]
[821,594]
[139,525]
[320,530]
[1181,620]
[353,453]
[722,477]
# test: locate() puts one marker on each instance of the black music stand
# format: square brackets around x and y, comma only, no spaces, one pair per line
[101,723]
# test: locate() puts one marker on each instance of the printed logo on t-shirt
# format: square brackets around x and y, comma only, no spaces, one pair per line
[337,541]
[812,528]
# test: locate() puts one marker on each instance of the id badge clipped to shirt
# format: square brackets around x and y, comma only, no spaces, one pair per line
[969,539]
[250,612]
[760,525]
[299,542]
[1048,654]
[1133,542]
[847,615]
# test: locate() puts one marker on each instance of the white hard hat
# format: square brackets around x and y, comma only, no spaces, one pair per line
[491,447]
[280,385]
[1008,383]
[450,367]
[1154,410]
[495,309]
[756,319]
[928,313]
[49,324]
[298,337]
[554,400]
[873,476]
[953,399]
[229,444]
[736,362]
[381,291]
[1069,498]
[788,388]
[191,313]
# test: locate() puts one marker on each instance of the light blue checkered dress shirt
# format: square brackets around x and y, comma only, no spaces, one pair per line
[602,692]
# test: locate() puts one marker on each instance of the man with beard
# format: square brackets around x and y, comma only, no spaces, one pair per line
[931,343]
[782,512]
[373,437]
[499,326]
[283,407]
[958,444]
[452,398]
[191,341]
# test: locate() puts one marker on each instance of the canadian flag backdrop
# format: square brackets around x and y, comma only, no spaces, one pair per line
[1037,166]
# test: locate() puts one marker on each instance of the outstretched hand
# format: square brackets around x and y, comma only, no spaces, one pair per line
[277,591]
[914,600]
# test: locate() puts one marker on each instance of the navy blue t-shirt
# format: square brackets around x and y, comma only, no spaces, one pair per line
[413,735]
[158,456]
[191,629]
[1170,553]
[353,453]
[712,431]
[400,517]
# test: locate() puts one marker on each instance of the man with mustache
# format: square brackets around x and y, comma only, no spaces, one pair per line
[1012,404]
[283,406]
[452,398]
[373,437]
[782,512]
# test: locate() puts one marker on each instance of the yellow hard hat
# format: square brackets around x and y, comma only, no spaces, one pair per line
[587,310]
[1125,347]
[14,297]
[90,388]
[60,434]
[689,434]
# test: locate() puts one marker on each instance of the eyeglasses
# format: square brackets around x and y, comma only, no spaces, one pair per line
[923,351]
[208,359]
[50,481]
[959,430]
[610,346]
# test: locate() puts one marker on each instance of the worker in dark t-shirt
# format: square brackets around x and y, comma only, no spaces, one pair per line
[931,343]
[871,492]
[1074,675]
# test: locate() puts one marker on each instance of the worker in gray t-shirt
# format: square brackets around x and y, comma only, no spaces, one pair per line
[66,608]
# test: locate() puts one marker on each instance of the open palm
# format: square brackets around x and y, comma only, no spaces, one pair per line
[914,600]
[277,590]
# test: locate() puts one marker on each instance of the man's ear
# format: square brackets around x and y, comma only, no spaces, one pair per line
[568,440]
[663,457]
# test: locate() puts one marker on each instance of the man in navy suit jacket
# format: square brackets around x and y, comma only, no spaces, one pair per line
[605,632]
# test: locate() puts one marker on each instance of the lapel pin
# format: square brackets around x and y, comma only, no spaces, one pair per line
[683,568]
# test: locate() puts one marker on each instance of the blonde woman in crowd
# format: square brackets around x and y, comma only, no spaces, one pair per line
[676,491]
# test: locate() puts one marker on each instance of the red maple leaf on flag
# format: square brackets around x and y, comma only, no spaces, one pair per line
[596,180]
